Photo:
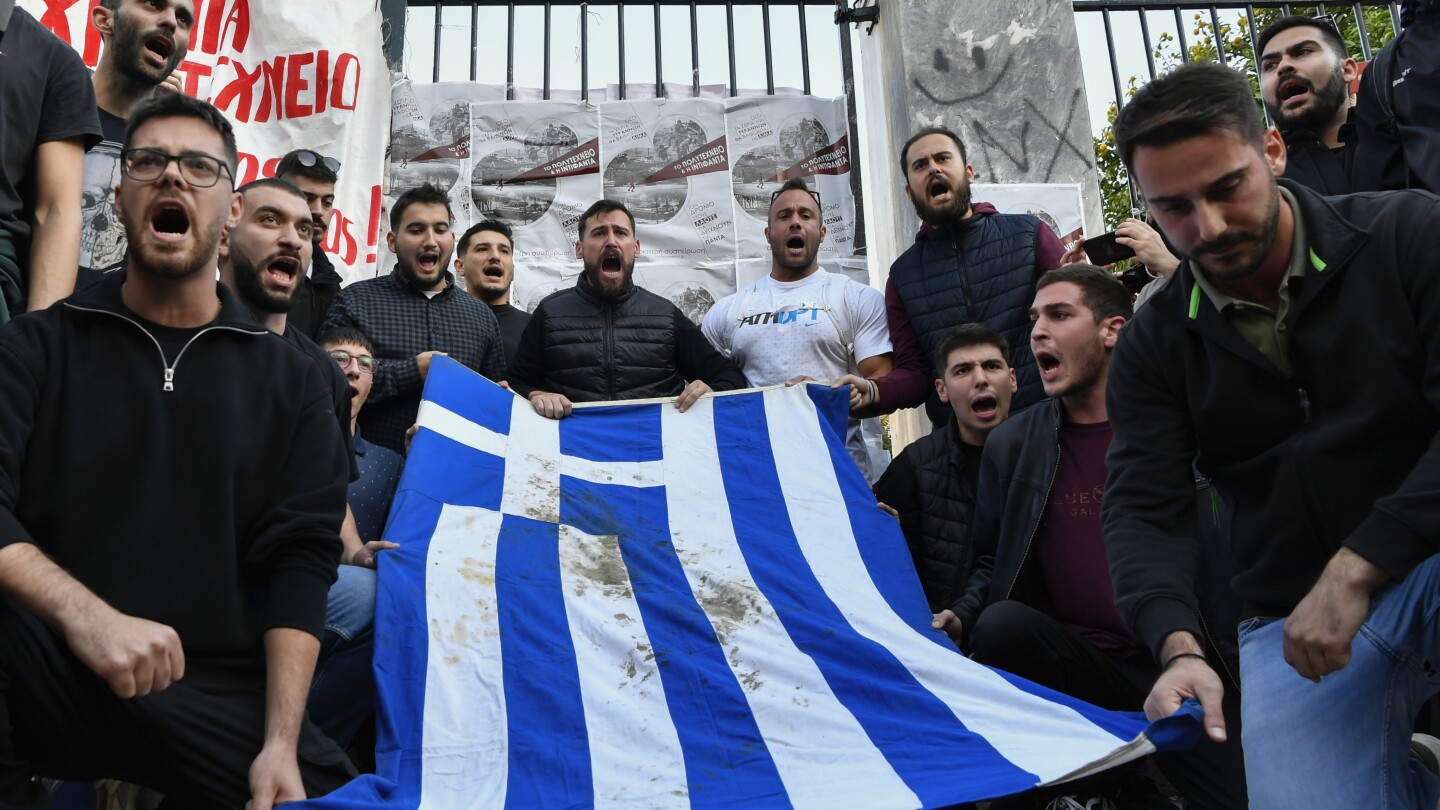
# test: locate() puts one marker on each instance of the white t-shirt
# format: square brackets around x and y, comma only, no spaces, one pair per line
[778,330]
[786,328]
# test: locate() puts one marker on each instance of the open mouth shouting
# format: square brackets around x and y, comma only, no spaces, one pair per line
[494,271]
[1049,365]
[985,406]
[427,262]
[612,269]
[158,49]
[169,222]
[283,271]
[939,190]
[1294,92]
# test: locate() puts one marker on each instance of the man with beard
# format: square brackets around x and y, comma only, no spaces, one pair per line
[1293,357]
[606,339]
[930,487]
[315,175]
[415,313]
[164,632]
[485,258]
[1305,78]
[801,322]
[145,40]
[969,264]
[1039,603]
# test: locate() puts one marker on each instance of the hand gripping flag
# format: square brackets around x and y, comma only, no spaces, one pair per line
[637,607]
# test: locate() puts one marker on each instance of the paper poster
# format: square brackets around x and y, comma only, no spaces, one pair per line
[536,167]
[775,138]
[1055,204]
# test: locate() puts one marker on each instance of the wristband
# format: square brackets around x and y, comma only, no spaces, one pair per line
[874,392]
[1178,656]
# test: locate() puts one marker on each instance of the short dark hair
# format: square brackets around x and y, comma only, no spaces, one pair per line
[946,131]
[485,225]
[178,105]
[794,184]
[345,334]
[1191,100]
[290,165]
[113,5]
[1101,292]
[603,207]
[966,335]
[427,193]
[1327,29]
[270,182]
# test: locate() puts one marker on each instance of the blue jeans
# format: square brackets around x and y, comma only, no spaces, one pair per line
[342,694]
[1344,742]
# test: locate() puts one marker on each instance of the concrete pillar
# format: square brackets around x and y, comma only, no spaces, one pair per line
[1005,74]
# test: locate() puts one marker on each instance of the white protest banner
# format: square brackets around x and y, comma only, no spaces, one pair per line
[288,75]
[776,138]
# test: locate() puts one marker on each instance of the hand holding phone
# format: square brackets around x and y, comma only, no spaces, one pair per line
[1103,249]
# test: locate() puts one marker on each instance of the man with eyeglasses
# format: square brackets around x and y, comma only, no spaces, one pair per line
[1305,76]
[315,175]
[164,629]
[343,692]
[800,321]
[145,40]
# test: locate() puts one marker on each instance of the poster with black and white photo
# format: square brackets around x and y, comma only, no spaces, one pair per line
[1056,204]
[536,167]
[776,138]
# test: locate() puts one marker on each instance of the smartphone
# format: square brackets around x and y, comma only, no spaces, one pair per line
[1103,249]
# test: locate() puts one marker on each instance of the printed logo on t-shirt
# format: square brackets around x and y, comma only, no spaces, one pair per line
[806,316]
[1077,504]
[102,236]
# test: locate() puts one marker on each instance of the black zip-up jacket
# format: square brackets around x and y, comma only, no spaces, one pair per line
[635,346]
[935,496]
[1016,474]
[1341,453]
[204,491]
[1312,164]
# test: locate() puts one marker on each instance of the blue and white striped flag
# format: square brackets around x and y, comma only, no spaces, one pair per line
[642,608]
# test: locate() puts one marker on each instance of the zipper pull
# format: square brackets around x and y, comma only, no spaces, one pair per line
[1304,403]
[169,379]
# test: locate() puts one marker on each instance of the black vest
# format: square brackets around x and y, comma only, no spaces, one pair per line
[981,271]
[622,348]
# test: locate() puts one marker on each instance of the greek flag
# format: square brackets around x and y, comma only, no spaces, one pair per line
[637,607]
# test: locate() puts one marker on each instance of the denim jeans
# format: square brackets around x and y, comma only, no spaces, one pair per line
[342,694]
[1344,742]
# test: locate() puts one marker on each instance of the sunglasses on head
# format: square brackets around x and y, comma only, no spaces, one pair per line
[776,195]
[308,159]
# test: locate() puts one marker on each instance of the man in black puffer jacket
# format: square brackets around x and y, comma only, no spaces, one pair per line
[931,484]
[606,339]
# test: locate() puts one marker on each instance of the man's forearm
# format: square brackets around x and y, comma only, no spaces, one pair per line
[1180,642]
[54,257]
[44,588]
[289,666]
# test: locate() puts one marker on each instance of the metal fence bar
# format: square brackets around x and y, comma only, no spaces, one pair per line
[769,59]
[1216,34]
[439,16]
[1363,32]
[584,51]
[659,69]
[730,49]
[620,29]
[1180,35]
[1145,37]
[545,84]
[1114,63]
[804,50]
[474,40]
[509,53]
[847,66]
[694,52]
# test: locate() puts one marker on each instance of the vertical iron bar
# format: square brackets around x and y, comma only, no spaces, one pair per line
[804,48]
[694,53]
[620,17]
[546,83]
[435,71]
[1250,15]
[1394,20]
[1363,32]
[474,38]
[1114,62]
[769,59]
[1180,35]
[510,52]
[847,69]
[1145,38]
[730,31]
[1217,35]
[659,81]
[584,51]
[1285,9]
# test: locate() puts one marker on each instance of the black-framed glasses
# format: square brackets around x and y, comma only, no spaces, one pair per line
[365,361]
[775,195]
[146,165]
[309,158]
